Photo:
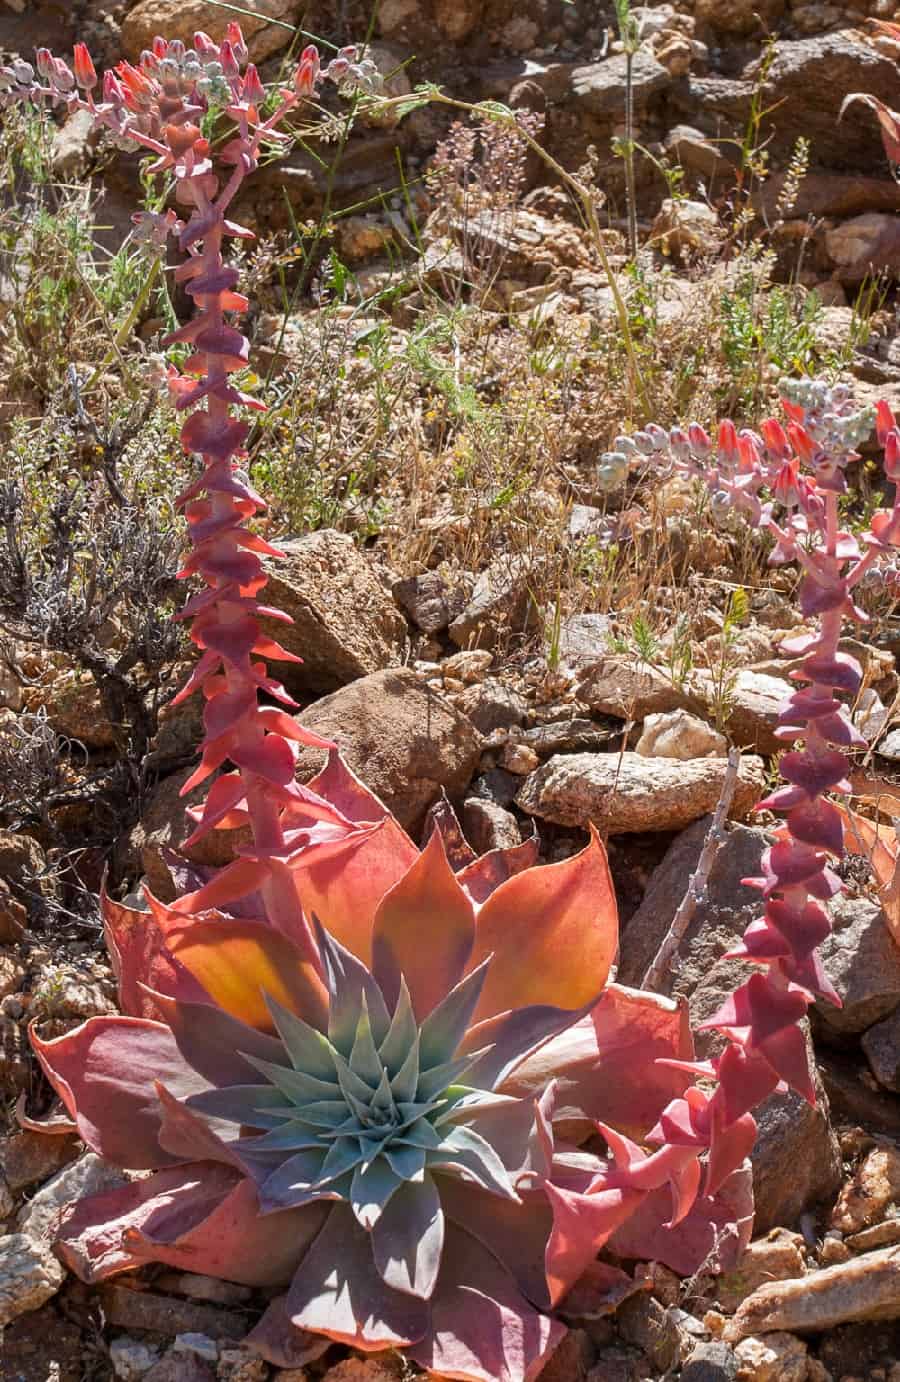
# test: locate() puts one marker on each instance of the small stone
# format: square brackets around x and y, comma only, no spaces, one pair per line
[168,1315]
[519,759]
[208,1288]
[882,1235]
[491,706]
[15,1057]
[28,1157]
[881,1044]
[584,640]
[710,1362]
[600,87]
[862,960]
[686,229]
[488,826]
[777,1357]
[73,144]
[615,684]
[678,734]
[381,1368]
[566,736]
[571,1360]
[873,1186]
[180,1367]
[833,1250]
[12,973]
[88,1176]
[777,1257]
[29,1275]
[501,602]
[889,747]
[469,665]
[647,1324]
[131,1358]
[427,601]
[201,1345]
[240,1365]
[13,916]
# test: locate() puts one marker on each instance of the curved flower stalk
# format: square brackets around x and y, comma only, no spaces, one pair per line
[798,472]
[162,105]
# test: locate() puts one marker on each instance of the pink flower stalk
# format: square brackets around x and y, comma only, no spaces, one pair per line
[158,105]
[803,469]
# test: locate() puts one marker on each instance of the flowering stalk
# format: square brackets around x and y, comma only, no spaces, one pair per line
[160,105]
[801,472]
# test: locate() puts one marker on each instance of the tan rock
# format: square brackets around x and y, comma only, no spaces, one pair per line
[621,685]
[403,739]
[777,1257]
[625,793]
[678,734]
[866,1288]
[345,623]
[12,972]
[875,1184]
[686,229]
[182,18]
[776,1357]
[739,17]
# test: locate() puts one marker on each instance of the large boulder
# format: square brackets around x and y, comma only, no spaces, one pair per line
[405,740]
[345,623]
[259,20]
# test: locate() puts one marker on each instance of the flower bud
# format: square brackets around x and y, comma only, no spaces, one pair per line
[644,443]
[44,61]
[308,71]
[176,50]
[612,472]
[85,72]
[231,68]
[235,37]
[159,48]
[701,442]
[205,46]
[252,90]
[24,72]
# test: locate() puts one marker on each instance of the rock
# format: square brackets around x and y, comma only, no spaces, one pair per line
[23,863]
[345,624]
[164,826]
[182,18]
[855,1097]
[73,144]
[599,88]
[241,1365]
[586,521]
[457,18]
[695,152]
[863,245]
[881,1043]
[710,1362]
[519,759]
[402,738]
[12,973]
[617,684]
[863,963]
[625,793]
[386,1367]
[15,1058]
[678,734]
[469,666]
[13,916]
[180,1367]
[40,1217]
[881,1235]
[755,700]
[208,1288]
[874,1185]
[642,1321]
[488,826]
[131,1358]
[777,1357]
[501,602]
[197,1345]
[496,785]
[492,706]
[739,17]
[428,601]
[127,1309]
[571,1360]
[866,1288]
[777,1257]
[890,746]
[565,736]
[686,229]
[584,640]
[29,1157]
[796,1158]
[29,1275]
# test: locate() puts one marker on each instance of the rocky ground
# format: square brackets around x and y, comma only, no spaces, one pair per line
[477,618]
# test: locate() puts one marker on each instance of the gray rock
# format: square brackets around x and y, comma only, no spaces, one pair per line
[617,684]
[625,793]
[345,623]
[404,739]
[647,1324]
[881,1044]
[491,706]
[679,734]
[427,601]
[863,245]
[710,1362]
[501,601]
[599,88]
[863,962]
[73,145]
[586,521]
[39,1218]
[496,785]
[694,151]
[29,1275]
[890,746]
[584,640]
[566,736]
[488,826]
[131,1358]
[796,1158]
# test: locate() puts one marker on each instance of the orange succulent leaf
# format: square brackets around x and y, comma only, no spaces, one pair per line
[424,930]
[344,888]
[627,1030]
[140,959]
[553,933]
[239,962]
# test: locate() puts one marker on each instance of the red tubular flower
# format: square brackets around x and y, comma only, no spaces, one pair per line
[85,74]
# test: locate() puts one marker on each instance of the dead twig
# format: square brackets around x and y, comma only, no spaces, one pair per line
[696,888]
